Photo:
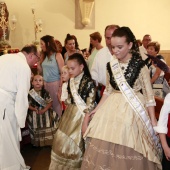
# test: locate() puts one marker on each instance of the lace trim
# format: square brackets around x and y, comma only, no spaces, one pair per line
[85,87]
[131,73]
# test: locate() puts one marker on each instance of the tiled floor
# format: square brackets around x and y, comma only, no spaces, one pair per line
[38,158]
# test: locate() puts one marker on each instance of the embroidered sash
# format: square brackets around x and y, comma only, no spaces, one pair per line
[77,98]
[136,105]
[37,97]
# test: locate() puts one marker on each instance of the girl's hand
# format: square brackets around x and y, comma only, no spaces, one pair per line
[85,123]
[36,110]
[41,111]
[91,114]
[167,153]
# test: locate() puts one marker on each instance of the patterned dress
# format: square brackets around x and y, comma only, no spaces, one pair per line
[42,126]
[69,145]
[117,138]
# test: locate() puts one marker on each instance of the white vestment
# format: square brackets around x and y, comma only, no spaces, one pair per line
[98,70]
[14,87]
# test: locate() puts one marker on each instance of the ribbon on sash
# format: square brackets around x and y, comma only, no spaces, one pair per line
[77,98]
[136,105]
[37,98]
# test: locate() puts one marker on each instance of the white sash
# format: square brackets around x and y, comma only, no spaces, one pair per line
[37,97]
[77,98]
[136,105]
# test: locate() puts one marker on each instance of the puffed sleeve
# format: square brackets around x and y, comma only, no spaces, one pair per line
[163,118]
[108,90]
[64,93]
[147,91]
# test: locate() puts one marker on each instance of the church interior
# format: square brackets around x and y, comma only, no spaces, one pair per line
[24,22]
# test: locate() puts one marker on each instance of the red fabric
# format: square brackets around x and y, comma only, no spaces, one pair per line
[102,90]
[63,106]
[168,134]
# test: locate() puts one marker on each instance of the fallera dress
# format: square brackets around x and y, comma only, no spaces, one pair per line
[117,139]
[42,127]
[69,145]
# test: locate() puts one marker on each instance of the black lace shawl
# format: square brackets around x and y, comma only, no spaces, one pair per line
[85,87]
[131,74]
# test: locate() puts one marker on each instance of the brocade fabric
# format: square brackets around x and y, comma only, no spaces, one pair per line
[116,122]
[68,145]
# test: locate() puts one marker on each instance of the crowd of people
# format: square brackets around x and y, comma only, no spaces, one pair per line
[95,107]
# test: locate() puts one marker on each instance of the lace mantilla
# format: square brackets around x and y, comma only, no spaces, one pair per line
[85,87]
[131,73]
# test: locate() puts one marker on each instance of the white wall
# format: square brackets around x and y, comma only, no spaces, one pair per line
[143,17]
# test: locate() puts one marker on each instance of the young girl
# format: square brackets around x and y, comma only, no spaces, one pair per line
[41,118]
[120,135]
[163,128]
[68,144]
[65,77]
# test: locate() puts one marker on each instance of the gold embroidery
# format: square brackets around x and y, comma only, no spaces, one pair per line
[117,156]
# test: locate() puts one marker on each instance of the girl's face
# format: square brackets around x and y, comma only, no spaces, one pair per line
[151,51]
[121,48]
[65,75]
[70,45]
[37,82]
[42,45]
[74,68]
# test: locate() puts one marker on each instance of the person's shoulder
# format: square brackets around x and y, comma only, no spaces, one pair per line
[167,97]
[102,51]
[160,57]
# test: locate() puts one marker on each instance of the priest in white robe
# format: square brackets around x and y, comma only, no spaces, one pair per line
[15,74]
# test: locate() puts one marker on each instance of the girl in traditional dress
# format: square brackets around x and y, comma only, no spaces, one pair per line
[41,118]
[121,134]
[68,145]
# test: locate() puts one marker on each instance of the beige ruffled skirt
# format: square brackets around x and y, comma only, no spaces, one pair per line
[102,155]
[117,125]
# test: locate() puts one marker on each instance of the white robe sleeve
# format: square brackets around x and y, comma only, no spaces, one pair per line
[23,86]
[163,118]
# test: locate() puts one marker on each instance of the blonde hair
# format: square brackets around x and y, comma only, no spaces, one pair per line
[65,67]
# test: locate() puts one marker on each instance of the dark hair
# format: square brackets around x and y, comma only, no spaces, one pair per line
[126,32]
[80,59]
[76,42]
[50,44]
[30,49]
[68,37]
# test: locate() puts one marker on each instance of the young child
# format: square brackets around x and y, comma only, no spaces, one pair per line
[41,118]
[163,128]
[65,77]
[68,145]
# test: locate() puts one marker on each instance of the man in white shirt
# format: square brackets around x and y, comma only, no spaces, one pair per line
[146,40]
[15,76]
[95,40]
[104,55]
